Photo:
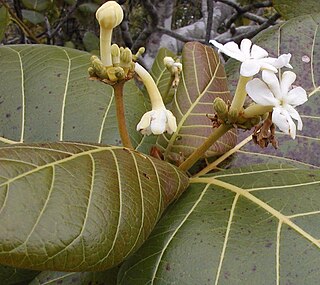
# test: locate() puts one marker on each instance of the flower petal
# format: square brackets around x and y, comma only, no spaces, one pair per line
[144,124]
[258,52]
[265,65]
[294,114]
[230,49]
[288,77]
[259,92]
[272,81]
[283,60]
[171,122]
[245,47]
[280,120]
[158,122]
[297,96]
[249,67]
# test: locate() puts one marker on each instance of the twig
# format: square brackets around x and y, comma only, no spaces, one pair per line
[64,19]
[242,10]
[209,20]
[178,36]
[260,28]
[20,23]
[253,17]
[151,26]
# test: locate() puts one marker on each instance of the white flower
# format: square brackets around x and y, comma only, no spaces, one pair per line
[157,121]
[253,57]
[281,96]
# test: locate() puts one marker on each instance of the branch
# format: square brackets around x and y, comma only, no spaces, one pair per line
[242,10]
[179,36]
[209,20]
[64,19]
[20,23]
[250,32]
[151,26]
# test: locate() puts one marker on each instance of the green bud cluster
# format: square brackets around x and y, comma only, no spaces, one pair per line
[122,65]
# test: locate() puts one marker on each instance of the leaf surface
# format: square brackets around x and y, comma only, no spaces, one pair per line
[79,207]
[202,80]
[162,76]
[257,225]
[45,95]
[4,21]
[294,8]
[11,276]
[300,37]
[108,277]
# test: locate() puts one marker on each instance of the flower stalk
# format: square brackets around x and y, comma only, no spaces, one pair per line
[240,95]
[124,135]
[200,151]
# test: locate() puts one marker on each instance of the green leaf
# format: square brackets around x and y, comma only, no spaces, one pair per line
[10,275]
[90,41]
[162,76]
[88,8]
[257,225]
[294,8]
[4,21]
[108,277]
[79,207]
[37,5]
[202,80]
[32,16]
[300,37]
[45,95]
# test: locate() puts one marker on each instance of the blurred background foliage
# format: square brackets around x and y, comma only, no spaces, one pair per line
[72,23]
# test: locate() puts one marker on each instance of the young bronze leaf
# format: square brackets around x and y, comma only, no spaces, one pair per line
[79,207]
[203,79]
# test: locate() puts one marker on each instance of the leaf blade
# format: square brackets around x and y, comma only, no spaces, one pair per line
[62,222]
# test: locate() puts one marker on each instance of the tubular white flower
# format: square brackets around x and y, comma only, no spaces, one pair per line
[253,57]
[109,15]
[281,96]
[159,119]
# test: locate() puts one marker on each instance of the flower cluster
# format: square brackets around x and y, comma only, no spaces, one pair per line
[118,65]
[272,93]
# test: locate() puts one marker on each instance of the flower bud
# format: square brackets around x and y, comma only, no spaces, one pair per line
[115,73]
[221,108]
[109,15]
[115,54]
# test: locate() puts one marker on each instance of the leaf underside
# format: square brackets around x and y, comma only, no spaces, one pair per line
[79,207]
[257,225]
[46,95]
[202,80]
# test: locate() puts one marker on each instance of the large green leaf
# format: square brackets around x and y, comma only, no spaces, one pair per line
[11,276]
[38,5]
[45,95]
[4,21]
[257,225]
[162,76]
[108,277]
[202,80]
[294,8]
[79,207]
[300,37]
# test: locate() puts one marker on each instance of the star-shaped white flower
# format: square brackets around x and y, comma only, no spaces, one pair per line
[157,121]
[281,96]
[253,57]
